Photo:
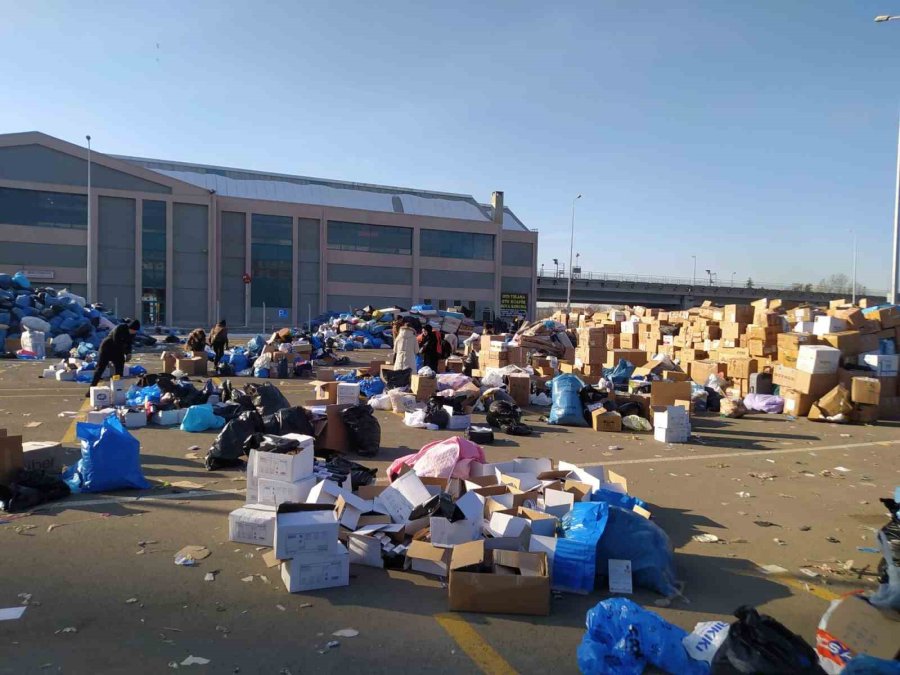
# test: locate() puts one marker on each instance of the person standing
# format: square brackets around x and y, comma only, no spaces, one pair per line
[431,350]
[114,349]
[405,348]
[218,340]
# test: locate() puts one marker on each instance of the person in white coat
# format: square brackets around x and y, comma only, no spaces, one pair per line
[405,349]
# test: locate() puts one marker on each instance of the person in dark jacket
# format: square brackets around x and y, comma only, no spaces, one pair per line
[218,340]
[429,347]
[115,348]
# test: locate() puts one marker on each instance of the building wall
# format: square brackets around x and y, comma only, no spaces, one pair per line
[209,243]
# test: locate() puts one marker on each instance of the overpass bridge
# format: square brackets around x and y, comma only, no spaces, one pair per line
[672,292]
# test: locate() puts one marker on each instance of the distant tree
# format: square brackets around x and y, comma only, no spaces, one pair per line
[836,283]
[750,283]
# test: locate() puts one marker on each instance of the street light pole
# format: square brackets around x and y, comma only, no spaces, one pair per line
[892,298]
[694,278]
[571,251]
[854,267]
[90,231]
[732,279]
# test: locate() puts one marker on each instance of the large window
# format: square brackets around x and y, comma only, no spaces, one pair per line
[468,245]
[43,209]
[271,256]
[369,238]
[153,262]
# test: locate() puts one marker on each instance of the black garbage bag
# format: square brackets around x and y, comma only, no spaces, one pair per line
[397,379]
[294,420]
[629,408]
[228,448]
[713,399]
[226,370]
[457,402]
[29,489]
[340,468]
[503,412]
[439,506]
[363,429]
[757,643]
[239,396]
[435,413]
[270,443]
[481,435]
[267,398]
[470,363]
[228,411]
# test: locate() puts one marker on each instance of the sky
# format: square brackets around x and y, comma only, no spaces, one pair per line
[753,135]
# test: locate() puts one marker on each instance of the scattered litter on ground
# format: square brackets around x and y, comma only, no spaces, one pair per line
[707,539]
[195,661]
[32,425]
[187,485]
[131,601]
[743,495]
[808,572]
[11,613]
[189,555]
[772,569]
[209,576]
[842,469]
[765,523]
[346,633]
[833,540]
[67,629]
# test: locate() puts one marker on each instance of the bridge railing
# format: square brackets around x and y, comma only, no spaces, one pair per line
[697,283]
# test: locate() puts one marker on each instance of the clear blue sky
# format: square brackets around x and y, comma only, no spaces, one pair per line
[754,135]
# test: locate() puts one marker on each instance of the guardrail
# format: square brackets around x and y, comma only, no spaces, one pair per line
[701,283]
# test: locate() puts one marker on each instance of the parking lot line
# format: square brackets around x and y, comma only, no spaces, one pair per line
[69,436]
[482,654]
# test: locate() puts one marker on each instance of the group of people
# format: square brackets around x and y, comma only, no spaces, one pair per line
[116,347]
[430,343]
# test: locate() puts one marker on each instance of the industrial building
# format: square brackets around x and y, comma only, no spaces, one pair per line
[180,244]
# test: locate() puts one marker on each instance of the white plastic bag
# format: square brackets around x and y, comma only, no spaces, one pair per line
[33,341]
[706,638]
[402,402]
[380,402]
[414,418]
[77,298]
[425,371]
[636,423]
[540,400]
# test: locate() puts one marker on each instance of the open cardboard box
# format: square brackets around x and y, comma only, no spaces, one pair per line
[498,581]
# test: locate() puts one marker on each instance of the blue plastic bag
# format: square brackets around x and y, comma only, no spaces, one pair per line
[255,345]
[575,559]
[200,418]
[19,280]
[371,386]
[137,371]
[629,536]
[620,499]
[110,459]
[566,406]
[869,665]
[621,373]
[347,377]
[137,396]
[623,637]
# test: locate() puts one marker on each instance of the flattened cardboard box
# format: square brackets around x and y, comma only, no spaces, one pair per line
[498,581]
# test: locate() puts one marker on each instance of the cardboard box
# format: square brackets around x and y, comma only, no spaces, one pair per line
[326,391]
[519,387]
[168,359]
[796,403]
[865,390]
[12,458]
[603,420]
[101,397]
[334,436]
[97,416]
[888,317]
[795,340]
[498,581]
[133,419]
[168,418]
[701,370]
[835,402]
[742,368]
[664,393]
[301,574]
[445,534]
[428,559]
[737,313]
[402,496]
[818,359]
[288,467]
[273,492]
[307,531]
[883,365]
[48,456]
[805,383]
[636,357]
[828,324]
[423,387]
[347,393]
[252,524]
[852,627]
[864,414]
[195,365]
[847,341]
[543,524]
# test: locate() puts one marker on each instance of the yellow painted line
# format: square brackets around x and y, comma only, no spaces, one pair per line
[815,589]
[217,381]
[69,436]
[482,654]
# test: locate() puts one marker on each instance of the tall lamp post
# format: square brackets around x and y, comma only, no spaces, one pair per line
[694,277]
[571,252]
[892,298]
[90,239]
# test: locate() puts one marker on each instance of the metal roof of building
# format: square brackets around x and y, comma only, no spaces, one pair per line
[305,190]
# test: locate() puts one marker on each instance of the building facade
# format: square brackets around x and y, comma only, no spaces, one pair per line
[175,243]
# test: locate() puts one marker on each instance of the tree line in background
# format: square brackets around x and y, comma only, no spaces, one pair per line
[836,283]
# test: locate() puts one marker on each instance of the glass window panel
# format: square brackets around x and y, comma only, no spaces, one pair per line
[271,255]
[43,209]
[369,238]
[153,261]
[466,245]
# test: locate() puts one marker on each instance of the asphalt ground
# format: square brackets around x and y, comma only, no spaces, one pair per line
[104,595]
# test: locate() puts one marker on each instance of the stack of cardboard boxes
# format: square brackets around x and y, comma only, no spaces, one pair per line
[806,350]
